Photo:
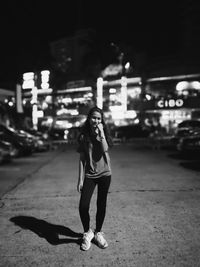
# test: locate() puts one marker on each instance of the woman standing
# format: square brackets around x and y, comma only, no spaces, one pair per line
[94,170]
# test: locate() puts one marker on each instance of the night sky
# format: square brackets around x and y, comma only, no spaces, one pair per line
[28,27]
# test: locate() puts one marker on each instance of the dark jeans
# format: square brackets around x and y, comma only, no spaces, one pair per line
[89,185]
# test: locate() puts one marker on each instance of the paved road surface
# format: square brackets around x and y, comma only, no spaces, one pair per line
[153,215]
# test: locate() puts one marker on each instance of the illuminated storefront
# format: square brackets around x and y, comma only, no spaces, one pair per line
[173,99]
[170,112]
[76,99]
[119,99]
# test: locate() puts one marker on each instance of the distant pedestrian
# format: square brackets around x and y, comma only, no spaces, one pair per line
[94,170]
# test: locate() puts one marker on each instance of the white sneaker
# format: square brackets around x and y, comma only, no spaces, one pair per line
[100,240]
[87,238]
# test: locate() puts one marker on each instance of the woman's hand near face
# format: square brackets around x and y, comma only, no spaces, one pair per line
[100,129]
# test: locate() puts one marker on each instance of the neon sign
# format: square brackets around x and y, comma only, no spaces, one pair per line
[170,103]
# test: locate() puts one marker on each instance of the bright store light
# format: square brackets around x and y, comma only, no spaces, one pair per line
[66,100]
[10,104]
[182,86]
[62,111]
[130,114]
[49,120]
[127,66]
[40,114]
[74,112]
[112,91]
[100,92]
[148,97]
[28,80]
[195,85]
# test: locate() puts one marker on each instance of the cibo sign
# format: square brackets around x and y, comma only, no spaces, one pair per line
[170,103]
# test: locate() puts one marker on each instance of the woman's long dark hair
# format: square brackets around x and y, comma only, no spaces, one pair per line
[86,128]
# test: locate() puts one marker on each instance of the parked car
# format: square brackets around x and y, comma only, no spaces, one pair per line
[184,129]
[68,121]
[191,124]
[62,126]
[10,147]
[40,142]
[187,127]
[58,134]
[5,152]
[189,144]
[22,143]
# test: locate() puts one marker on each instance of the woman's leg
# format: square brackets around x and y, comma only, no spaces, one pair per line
[84,204]
[103,187]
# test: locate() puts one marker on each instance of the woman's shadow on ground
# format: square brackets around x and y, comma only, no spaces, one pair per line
[47,230]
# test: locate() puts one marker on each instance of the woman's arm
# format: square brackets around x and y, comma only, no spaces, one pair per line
[81,172]
[101,137]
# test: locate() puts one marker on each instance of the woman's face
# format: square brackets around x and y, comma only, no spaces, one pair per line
[95,119]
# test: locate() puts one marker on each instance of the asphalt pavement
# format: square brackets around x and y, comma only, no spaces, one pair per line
[153,215]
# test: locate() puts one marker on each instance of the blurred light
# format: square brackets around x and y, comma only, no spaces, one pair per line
[72,90]
[113,98]
[118,115]
[117,123]
[44,105]
[88,95]
[28,80]
[124,93]
[48,99]
[195,85]
[69,59]
[62,111]
[112,90]
[40,114]
[117,112]
[148,97]
[66,134]
[100,92]
[182,86]
[74,112]
[130,114]
[178,77]
[185,93]
[134,92]
[44,85]
[77,124]
[135,80]
[111,70]
[34,115]
[34,95]
[28,76]
[45,73]
[63,124]
[66,100]
[78,99]
[127,66]
[44,91]
[10,104]
[28,84]
[45,79]
[49,120]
